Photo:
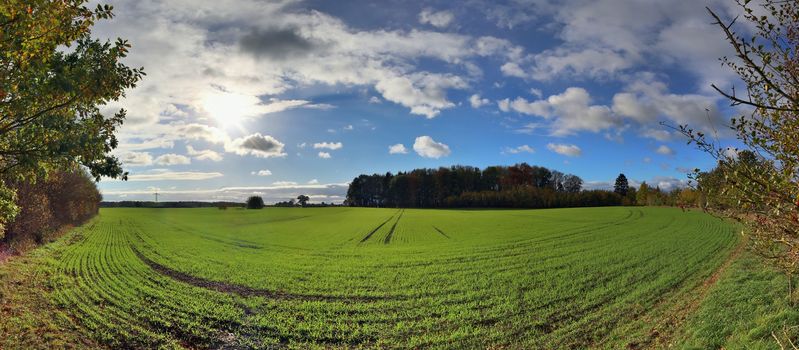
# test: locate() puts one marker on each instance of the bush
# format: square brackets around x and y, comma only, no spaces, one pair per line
[62,198]
[255,202]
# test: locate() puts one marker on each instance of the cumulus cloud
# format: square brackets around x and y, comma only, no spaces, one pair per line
[426,147]
[665,150]
[205,154]
[313,182]
[263,146]
[324,155]
[520,149]
[265,172]
[424,94]
[328,145]
[644,103]
[569,112]
[397,149]
[647,101]
[136,159]
[439,19]
[476,101]
[196,131]
[172,159]
[565,149]
[512,69]
[504,105]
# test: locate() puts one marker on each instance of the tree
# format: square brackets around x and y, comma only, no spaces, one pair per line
[622,186]
[642,196]
[303,199]
[50,97]
[572,183]
[255,202]
[761,187]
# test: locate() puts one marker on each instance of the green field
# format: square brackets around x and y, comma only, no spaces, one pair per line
[373,278]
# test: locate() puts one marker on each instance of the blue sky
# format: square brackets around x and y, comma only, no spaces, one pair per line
[298,97]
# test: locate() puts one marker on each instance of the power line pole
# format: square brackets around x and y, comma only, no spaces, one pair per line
[156,196]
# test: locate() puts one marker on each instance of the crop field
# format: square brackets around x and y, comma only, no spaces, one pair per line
[384,278]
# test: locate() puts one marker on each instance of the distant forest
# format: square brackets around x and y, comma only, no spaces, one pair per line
[516,186]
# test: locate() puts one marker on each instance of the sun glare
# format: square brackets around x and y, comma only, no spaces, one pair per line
[230,109]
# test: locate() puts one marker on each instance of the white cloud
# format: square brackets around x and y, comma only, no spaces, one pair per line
[476,101]
[424,94]
[647,160]
[397,149]
[205,154]
[512,69]
[131,145]
[328,145]
[426,147]
[284,183]
[196,131]
[578,63]
[657,134]
[439,19]
[504,105]
[375,100]
[349,127]
[172,159]
[174,176]
[564,149]
[263,146]
[665,150]
[647,101]
[520,149]
[569,112]
[313,182]
[265,172]
[324,155]
[136,159]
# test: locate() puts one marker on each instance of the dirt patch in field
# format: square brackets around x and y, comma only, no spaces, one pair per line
[249,291]
[662,335]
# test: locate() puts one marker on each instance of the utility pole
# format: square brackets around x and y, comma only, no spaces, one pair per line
[156,196]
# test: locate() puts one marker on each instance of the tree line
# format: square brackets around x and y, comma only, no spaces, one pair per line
[516,186]
[62,198]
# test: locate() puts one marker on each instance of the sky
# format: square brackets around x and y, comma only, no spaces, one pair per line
[281,98]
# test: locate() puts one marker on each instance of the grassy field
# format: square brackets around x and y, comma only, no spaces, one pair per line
[351,277]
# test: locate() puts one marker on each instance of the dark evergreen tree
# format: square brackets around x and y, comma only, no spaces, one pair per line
[622,186]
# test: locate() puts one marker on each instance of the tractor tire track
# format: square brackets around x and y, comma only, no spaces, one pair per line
[391,232]
[441,232]
[246,291]
[369,235]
